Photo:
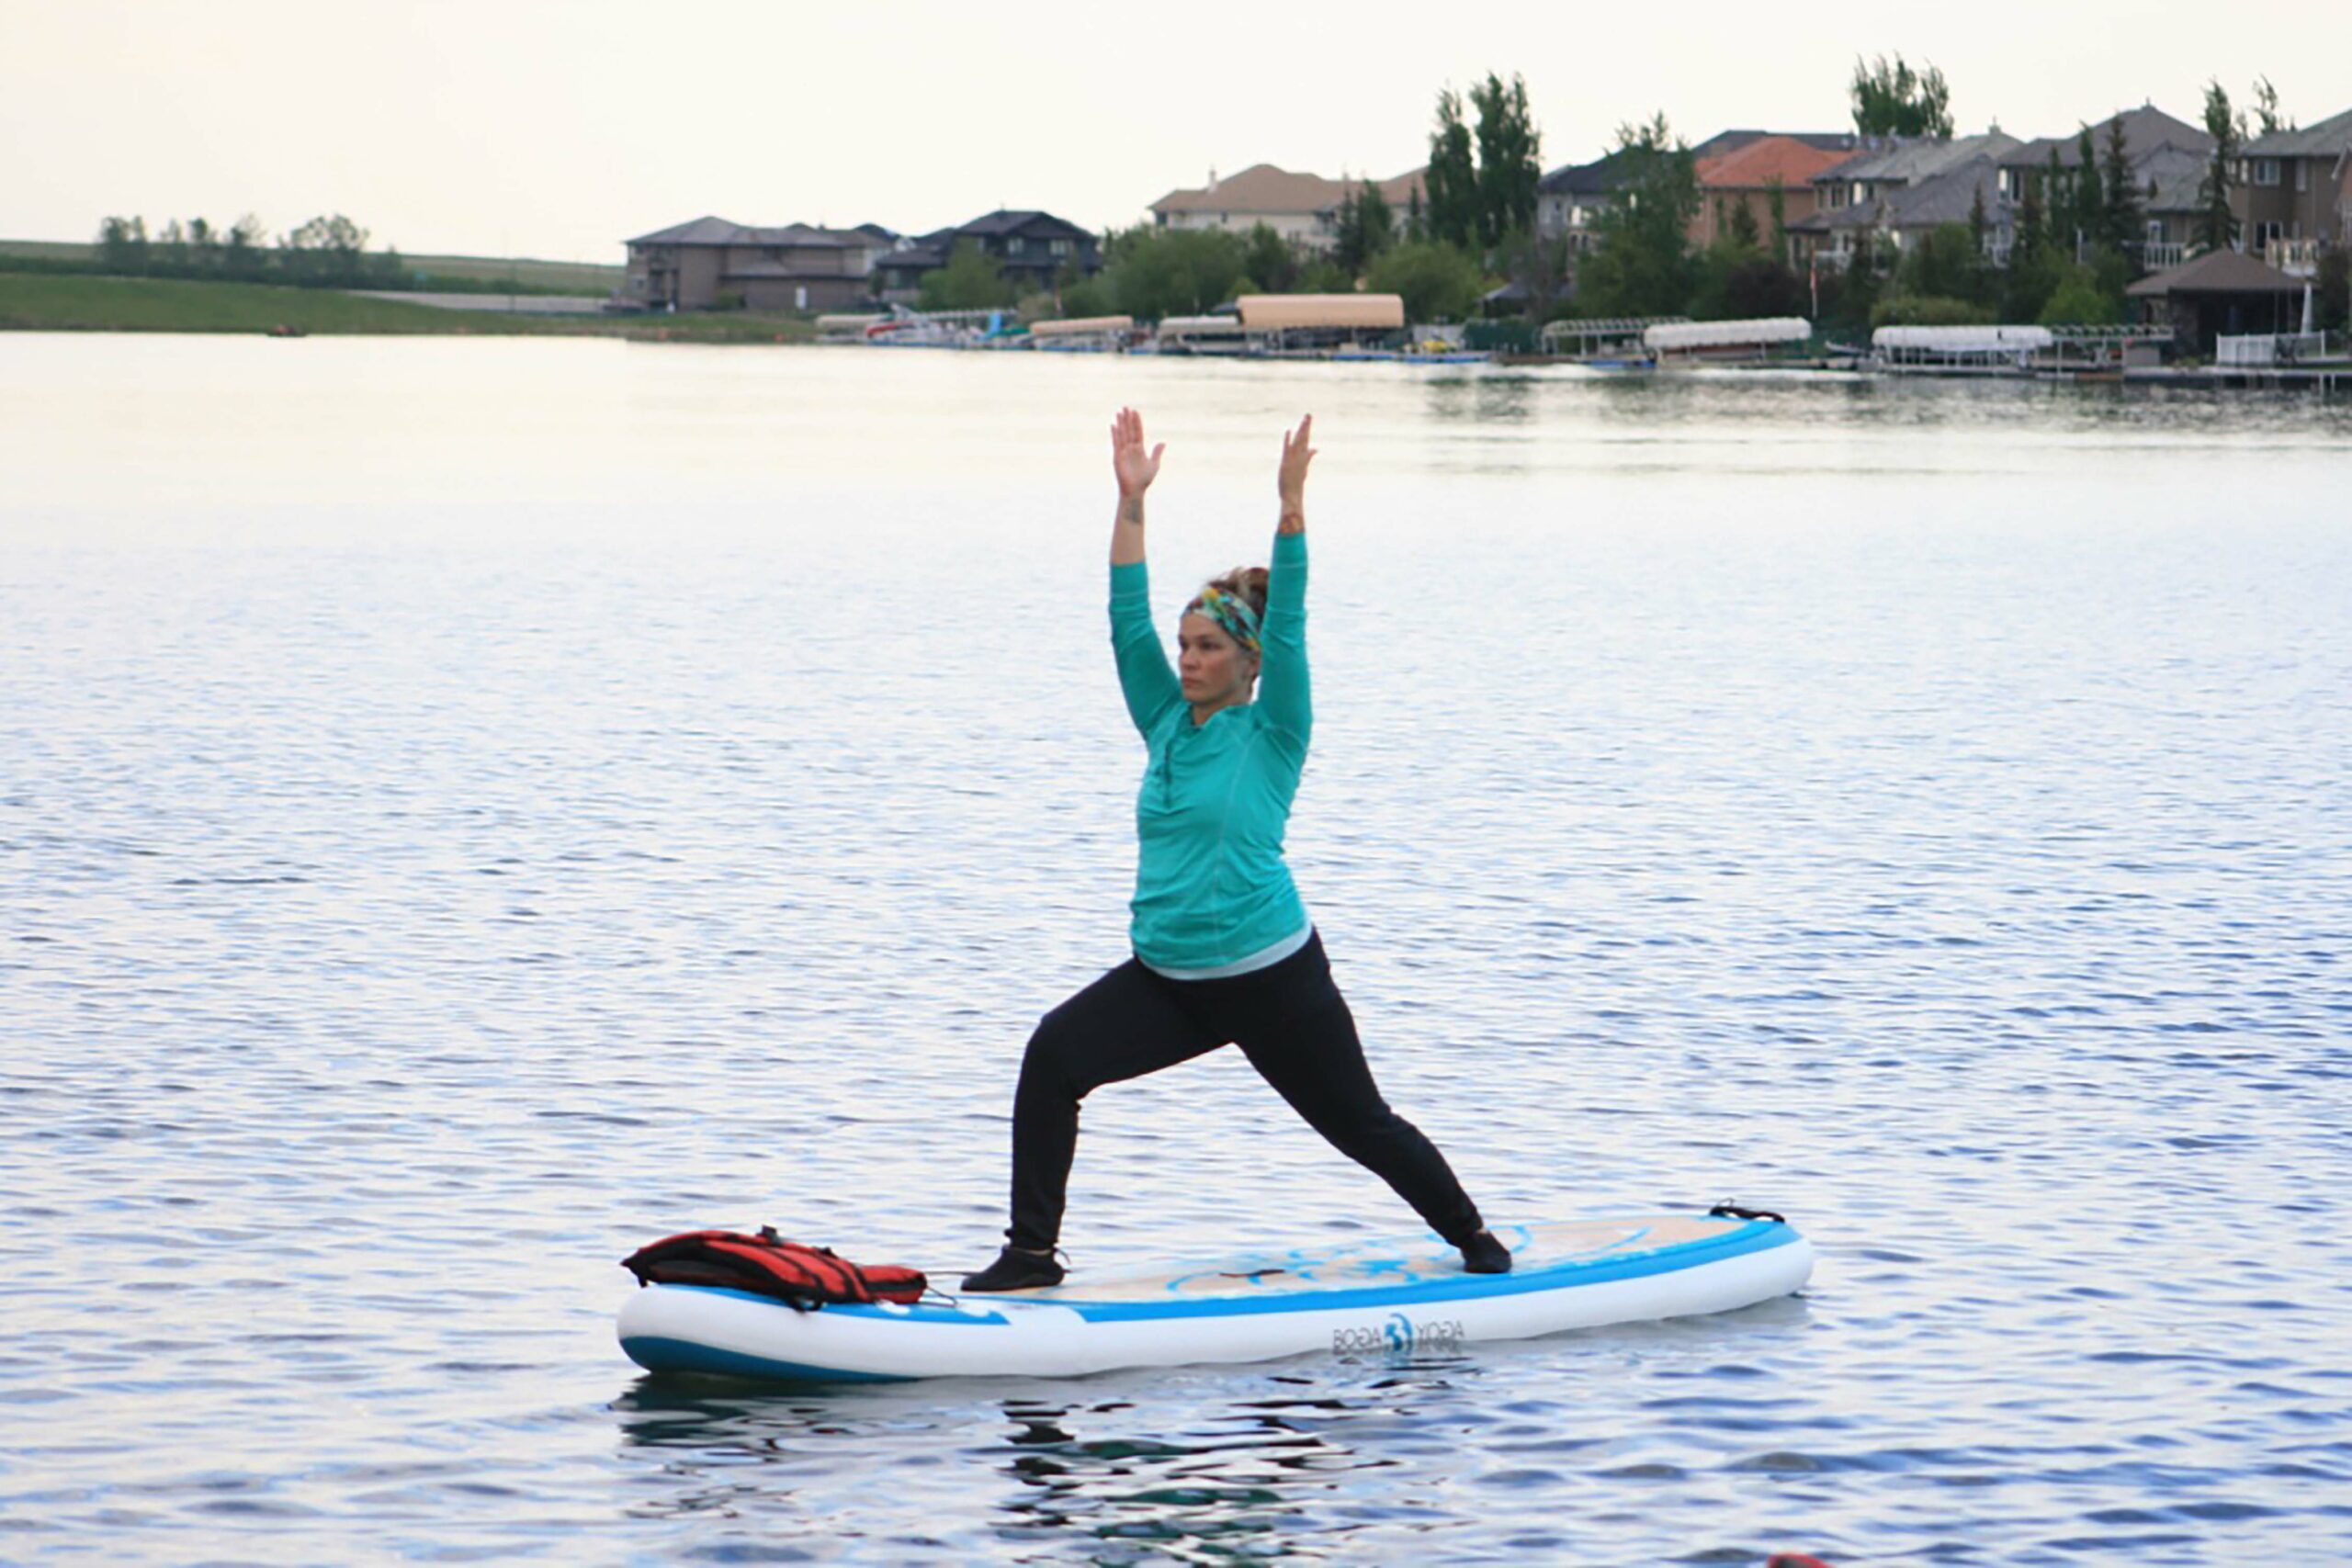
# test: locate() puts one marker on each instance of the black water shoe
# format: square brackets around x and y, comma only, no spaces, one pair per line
[1482,1254]
[1015,1269]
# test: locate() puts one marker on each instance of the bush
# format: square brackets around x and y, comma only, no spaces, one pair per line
[970,281]
[1930,310]
[2334,289]
[1439,281]
[2078,301]
[1155,272]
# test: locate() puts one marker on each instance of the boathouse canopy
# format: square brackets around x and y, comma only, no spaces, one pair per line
[2220,294]
[1698,337]
[2000,339]
[1084,326]
[1296,312]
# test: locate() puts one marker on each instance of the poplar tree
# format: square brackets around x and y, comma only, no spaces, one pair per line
[1510,159]
[2121,208]
[2217,226]
[1451,179]
[1894,100]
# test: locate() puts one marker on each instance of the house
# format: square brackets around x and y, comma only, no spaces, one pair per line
[2294,194]
[2158,149]
[1301,209]
[2172,201]
[1034,250]
[1754,175]
[1571,199]
[714,262]
[2221,293]
[1880,187]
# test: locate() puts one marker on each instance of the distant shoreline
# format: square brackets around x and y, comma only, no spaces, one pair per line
[40,302]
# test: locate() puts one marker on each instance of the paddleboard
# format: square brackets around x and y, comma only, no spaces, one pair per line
[1363,1298]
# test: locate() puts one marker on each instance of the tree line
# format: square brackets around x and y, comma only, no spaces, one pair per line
[327,252]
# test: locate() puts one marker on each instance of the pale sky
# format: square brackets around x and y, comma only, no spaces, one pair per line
[507,126]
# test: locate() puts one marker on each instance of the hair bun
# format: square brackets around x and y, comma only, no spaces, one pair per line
[1247,583]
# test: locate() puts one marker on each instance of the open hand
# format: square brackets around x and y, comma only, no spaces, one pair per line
[1134,467]
[1296,453]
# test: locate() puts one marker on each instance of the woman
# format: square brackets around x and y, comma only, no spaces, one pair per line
[1223,951]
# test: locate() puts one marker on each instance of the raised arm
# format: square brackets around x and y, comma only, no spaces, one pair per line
[1283,692]
[1145,677]
[1136,469]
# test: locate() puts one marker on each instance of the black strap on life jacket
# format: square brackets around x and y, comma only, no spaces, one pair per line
[799,1275]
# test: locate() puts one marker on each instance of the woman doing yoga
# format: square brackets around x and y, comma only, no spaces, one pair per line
[1223,951]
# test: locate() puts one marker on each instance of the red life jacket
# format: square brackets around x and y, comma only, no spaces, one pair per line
[805,1277]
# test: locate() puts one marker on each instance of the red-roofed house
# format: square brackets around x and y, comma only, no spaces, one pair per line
[1750,173]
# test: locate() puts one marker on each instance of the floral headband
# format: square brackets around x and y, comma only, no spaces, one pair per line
[1229,611]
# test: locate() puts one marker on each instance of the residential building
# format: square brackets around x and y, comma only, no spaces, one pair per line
[2158,149]
[1301,209]
[1034,249]
[1902,185]
[2172,200]
[1756,174]
[1571,199]
[714,262]
[2294,194]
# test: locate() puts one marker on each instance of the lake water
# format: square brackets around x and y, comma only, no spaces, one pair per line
[471,806]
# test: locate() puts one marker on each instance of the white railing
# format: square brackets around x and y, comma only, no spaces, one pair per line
[2299,258]
[2263,350]
[2161,256]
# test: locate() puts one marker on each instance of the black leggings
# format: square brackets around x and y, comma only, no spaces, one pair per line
[1292,1023]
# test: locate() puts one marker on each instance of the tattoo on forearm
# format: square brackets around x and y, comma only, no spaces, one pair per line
[1131,510]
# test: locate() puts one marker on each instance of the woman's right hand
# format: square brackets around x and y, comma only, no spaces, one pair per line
[1134,467]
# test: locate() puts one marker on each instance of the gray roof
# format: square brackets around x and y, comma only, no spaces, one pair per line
[2145,129]
[1951,197]
[2172,180]
[2329,138]
[1600,177]
[1945,198]
[720,232]
[2220,272]
[1911,158]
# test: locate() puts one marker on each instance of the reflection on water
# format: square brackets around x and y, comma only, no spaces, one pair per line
[473,807]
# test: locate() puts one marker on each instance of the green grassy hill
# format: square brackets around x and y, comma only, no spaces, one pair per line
[542,277]
[36,302]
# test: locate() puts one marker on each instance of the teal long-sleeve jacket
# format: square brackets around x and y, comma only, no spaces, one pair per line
[1211,887]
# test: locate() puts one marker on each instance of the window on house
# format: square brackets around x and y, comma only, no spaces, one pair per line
[2302,175]
[2265,170]
[1058,247]
[1015,245]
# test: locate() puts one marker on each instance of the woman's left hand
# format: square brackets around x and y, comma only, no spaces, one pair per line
[1291,483]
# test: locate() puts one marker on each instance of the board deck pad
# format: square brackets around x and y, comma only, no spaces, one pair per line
[1383,1261]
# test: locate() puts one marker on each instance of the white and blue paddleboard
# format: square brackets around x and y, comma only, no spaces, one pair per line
[1365,1297]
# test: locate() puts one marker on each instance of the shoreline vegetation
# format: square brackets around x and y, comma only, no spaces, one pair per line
[45,301]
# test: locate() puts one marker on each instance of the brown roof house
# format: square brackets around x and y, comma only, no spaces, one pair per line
[1571,200]
[1750,173]
[2294,194]
[713,262]
[1301,209]
[2221,293]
